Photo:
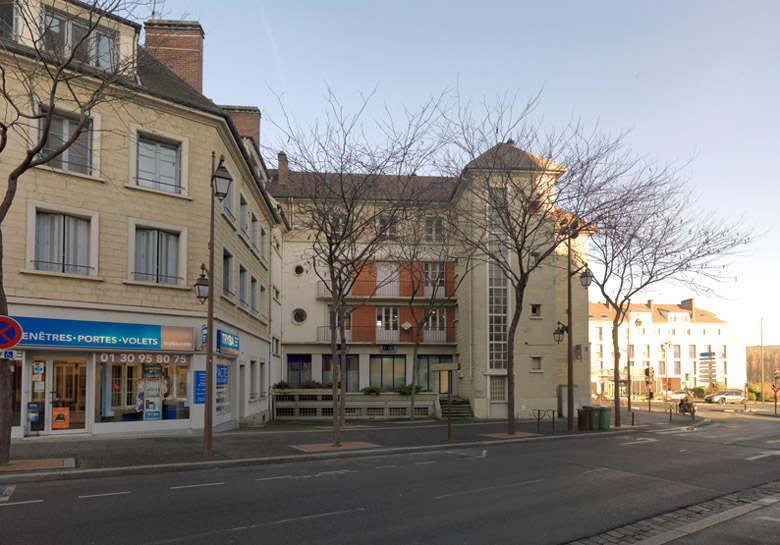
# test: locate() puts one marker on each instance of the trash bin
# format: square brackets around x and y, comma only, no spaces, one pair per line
[595,415]
[605,418]
[583,418]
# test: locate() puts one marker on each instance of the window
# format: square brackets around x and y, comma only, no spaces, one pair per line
[243,216]
[386,320]
[275,346]
[298,369]
[7,20]
[261,387]
[536,363]
[347,317]
[242,295]
[388,229]
[227,204]
[436,381]
[692,351]
[253,379]
[263,243]
[676,351]
[387,372]
[722,353]
[62,35]
[156,256]
[277,294]
[598,350]
[62,243]
[227,274]
[255,231]
[661,367]
[536,310]
[299,316]
[498,296]
[497,388]
[677,367]
[253,295]
[631,351]
[599,334]
[434,229]
[78,156]
[433,274]
[159,165]
[353,384]
[263,301]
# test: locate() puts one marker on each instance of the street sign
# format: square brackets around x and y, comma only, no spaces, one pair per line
[10,332]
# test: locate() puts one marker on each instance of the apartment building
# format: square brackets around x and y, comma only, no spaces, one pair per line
[104,243]
[684,345]
[469,328]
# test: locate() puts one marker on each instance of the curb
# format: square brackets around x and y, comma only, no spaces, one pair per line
[68,474]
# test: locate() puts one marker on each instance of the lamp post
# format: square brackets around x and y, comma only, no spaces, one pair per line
[638,323]
[667,345]
[585,279]
[204,291]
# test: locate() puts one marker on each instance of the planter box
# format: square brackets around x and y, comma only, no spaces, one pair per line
[311,404]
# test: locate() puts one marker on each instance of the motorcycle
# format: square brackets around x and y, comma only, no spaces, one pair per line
[687,407]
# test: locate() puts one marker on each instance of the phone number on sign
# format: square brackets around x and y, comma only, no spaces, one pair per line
[132,357]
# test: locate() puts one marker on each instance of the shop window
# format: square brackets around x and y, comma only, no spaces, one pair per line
[352,372]
[298,369]
[387,372]
[430,380]
[222,398]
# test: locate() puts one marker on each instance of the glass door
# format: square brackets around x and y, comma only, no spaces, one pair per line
[68,393]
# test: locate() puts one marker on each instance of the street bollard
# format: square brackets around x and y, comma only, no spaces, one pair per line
[670,414]
[551,412]
[632,418]
[538,413]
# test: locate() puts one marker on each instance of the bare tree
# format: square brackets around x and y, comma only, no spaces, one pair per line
[349,191]
[658,236]
[50,61]
[520,208]
[428,258]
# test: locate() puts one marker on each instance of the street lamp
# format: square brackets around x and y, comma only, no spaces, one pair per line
[204,291]
[585,279]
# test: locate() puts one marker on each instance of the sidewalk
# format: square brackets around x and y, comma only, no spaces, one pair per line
[60,457]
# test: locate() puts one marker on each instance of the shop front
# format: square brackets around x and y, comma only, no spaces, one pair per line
[79,376]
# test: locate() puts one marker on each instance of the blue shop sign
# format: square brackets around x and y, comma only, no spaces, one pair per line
[223,375]
[87,334]
[200,387]
[227,343]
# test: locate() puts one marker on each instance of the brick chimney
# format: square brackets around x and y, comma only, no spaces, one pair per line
[690,305]
[178,45]
[651,305]
[246,119]
[283,170]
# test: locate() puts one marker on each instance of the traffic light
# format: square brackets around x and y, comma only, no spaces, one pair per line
[647,371]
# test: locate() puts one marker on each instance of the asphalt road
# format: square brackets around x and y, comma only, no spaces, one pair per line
[546,492]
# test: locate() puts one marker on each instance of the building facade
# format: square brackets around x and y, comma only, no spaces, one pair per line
[104,242]
[468,331]
[683,345]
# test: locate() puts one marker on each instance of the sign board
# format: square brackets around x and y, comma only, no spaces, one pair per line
[200,387]
[444,366]
[134,357]
[223,375]
[87,334]
[60,418]
[10,332]
[388,348]
[775,389]
[227,343]
[13,355]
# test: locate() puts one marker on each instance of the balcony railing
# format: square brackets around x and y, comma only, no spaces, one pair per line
[369,288]
[370,334]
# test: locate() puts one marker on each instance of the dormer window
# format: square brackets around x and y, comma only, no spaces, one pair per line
[64,36]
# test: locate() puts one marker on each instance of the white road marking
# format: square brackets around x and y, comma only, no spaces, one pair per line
[774,441]
[640,441]
[740,439]
[773,519]
[275,478]
[195,485]
[765,454]
[385,467]
[198,537]
[5,492]
[595,470]
[487,489]
[20,503]
[683,449]
[425,463]
[103,495]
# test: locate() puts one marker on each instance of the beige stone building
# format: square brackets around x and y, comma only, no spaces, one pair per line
[104,242]
[470,330]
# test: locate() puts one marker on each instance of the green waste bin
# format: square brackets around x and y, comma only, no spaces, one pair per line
[595,415]
[583,418]
[605,418]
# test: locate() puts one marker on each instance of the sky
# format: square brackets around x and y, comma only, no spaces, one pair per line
[695,83]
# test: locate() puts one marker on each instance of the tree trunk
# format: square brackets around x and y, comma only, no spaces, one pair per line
[510,359]
[342,366]
[334,367]
[616,351]
[415,366]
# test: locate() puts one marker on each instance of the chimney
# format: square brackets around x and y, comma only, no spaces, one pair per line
[247,120]
[651,305]
[690,305]
[178,45]
[283,170]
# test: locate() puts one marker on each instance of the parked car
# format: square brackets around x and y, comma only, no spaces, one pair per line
[726,396]
[677,394]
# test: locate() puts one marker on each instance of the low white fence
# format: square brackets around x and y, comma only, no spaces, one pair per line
[310,404]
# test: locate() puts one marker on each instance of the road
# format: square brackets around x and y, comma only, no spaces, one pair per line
[547,492]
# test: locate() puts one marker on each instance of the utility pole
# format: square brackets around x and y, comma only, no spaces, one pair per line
[761,357]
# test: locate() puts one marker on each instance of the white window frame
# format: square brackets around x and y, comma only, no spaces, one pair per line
[33,207]
[263,309]
[228,206]
[69,21]
[434,229]
[263,244]
[138,131]
[138,223]
[253,283]
[14,22]
[255,231]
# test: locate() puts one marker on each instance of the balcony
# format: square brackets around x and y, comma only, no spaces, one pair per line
[376,335]
[368,288]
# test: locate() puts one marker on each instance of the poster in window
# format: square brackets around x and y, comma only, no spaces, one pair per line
[152,407]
